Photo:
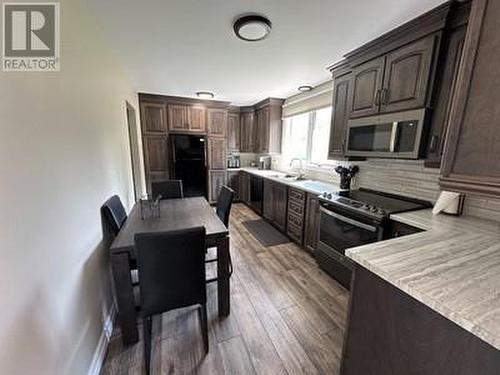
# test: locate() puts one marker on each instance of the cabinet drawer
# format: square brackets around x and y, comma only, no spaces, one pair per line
[298,195]
[294,232]
[295,220]
[296,207]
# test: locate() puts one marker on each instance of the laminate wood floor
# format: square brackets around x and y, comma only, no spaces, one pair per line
[287,317]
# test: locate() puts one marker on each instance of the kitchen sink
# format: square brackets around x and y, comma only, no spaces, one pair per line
[290,177]
[316,186]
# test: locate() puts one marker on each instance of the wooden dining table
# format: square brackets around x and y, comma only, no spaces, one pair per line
[175,214]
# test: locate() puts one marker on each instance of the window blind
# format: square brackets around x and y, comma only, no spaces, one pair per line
[319,97]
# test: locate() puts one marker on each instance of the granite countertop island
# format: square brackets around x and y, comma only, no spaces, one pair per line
[453,267]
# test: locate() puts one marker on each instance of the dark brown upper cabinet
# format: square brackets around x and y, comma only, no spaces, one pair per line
[472,153]
[262,133]
[247,131]
[397,81]
[178,117]
[187,118]
[153,118]
[216,153]
[217,122]
[367,82]
[197,118]
[447,77]
[268,126]
[411,67]
[340,115]
[233,131]
[406,76]
[452,48]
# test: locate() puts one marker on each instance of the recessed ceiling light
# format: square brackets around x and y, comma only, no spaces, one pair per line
[205,95]
[252,28]
[305,88]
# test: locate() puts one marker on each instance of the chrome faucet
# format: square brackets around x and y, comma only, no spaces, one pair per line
[301,170]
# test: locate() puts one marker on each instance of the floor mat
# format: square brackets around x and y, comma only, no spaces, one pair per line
[265,233]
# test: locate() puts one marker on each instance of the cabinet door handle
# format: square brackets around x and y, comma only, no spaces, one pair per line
[433,143]
[377,97]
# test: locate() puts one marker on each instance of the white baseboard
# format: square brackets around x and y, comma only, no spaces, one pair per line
[102,345]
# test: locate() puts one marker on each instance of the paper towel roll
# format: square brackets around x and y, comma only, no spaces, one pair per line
[449,202]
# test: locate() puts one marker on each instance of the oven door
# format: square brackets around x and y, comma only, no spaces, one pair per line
[339,231]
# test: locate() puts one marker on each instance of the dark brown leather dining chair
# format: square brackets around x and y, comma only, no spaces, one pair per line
[168,189]
[114,213]
[171,275]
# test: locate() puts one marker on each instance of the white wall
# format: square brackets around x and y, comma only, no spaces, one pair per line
[63,151]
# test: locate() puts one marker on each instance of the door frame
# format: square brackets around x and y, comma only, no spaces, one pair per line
[134,149]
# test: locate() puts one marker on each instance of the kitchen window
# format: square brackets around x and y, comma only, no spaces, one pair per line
[306,136]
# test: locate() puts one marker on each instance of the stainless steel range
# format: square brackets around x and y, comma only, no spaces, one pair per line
[355,218]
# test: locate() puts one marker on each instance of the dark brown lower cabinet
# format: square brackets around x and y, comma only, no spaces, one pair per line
[156,161]
[216,179]
[244,187]
[267,206]
[311,230]
[217,153]
[233,181]
[390,333]
[275,203]
[295,215]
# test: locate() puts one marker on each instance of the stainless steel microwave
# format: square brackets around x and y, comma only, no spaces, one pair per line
[393,135]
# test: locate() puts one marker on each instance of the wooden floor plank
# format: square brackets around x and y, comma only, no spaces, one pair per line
[235,357]
[262,353]
[287,317]
[319,317]
[316,345]
[287,346]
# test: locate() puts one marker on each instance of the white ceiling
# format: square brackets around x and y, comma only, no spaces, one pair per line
[183,46]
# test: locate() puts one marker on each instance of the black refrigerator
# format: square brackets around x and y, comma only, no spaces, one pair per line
[188,157]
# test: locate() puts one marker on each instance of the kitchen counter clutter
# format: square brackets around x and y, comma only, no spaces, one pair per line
[453,267]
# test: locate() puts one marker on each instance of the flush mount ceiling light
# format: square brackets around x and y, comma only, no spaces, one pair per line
[205,95]
[252,28]
[305,88]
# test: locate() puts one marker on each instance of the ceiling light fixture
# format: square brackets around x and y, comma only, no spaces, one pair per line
[252,28]
[305,88]
[205,95]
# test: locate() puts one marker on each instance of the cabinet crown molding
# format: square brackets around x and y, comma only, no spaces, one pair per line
[149,97]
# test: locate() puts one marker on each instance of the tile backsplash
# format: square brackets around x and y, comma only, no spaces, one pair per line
[246,159]
[405,177]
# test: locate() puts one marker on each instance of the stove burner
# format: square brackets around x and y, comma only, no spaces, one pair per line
[370,202]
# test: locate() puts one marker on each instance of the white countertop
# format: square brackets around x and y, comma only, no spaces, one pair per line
[453,267]
[311,186]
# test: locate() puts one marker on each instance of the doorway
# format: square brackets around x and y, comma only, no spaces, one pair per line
[134,150]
